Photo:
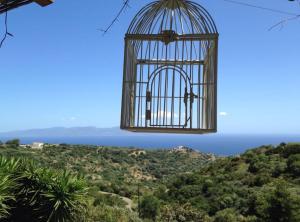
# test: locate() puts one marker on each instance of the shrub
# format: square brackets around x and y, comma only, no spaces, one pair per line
[13,142]
[293,164]
[105,213]
[278,204]
[182,213]
[231,215]
[290,149]
[279,168]
[149,207]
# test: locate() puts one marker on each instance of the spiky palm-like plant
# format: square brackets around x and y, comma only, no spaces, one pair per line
[10,165]
[6,184]
[31,193]
[51,195]
[8,169]
[66,197]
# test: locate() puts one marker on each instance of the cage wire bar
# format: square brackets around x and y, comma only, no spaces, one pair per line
[170,70]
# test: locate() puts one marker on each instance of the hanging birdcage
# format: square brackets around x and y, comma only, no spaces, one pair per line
[170,70]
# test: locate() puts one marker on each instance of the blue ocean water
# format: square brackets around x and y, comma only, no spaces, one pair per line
[217,143]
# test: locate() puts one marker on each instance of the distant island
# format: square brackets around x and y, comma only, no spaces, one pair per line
[99,183]
[220,144]
[65,132]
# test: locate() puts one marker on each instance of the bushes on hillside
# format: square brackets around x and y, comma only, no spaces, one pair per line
[13,143]
[290,149]
[149,207]
[277,203]
[182,213]
[261,185]
[293,164]
[104,213]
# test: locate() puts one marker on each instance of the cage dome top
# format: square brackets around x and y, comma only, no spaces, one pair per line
[180,16]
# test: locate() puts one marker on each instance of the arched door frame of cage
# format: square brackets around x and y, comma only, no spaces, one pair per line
[166,67]
[188,92]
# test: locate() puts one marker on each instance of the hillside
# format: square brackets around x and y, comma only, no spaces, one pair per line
[113,169]
[263,184]
[180,184]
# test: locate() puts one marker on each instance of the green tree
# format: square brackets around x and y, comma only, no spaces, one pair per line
[13,142]
[290,149]
[281,205]
[104,213]
[206,185]
[278,205]
[293,164]
[182,213]
[149,207]
[279,168]
[227,215]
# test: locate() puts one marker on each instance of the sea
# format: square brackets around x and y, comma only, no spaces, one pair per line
[219,144]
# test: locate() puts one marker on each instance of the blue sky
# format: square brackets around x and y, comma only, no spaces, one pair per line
[59,70]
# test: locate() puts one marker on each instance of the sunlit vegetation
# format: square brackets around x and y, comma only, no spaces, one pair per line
[108,184]
[31,193]
[262,184]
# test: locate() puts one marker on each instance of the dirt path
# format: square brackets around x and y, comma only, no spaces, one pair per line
[128,201]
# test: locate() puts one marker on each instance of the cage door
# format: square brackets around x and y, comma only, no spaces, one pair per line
[168,99]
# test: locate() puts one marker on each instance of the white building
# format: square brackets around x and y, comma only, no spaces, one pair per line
[37,145]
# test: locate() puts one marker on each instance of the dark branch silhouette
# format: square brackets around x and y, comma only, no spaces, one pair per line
[6,34]
[124,7]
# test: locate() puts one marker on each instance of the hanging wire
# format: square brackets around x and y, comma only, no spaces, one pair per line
[282,22]
[262,8]
[293,16]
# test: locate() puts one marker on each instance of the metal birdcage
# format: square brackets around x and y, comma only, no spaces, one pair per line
[170,70]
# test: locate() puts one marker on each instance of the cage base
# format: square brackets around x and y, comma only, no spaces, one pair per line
[169,130]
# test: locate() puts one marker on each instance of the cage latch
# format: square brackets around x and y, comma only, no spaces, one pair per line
[148,114]
[186,96]
[148,96]
[169,36]
[192,96]
[148,100]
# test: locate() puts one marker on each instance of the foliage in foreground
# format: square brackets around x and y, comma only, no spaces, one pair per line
[31,193]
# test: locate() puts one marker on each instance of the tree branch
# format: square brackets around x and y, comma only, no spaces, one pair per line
[124,7]
[6,31]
